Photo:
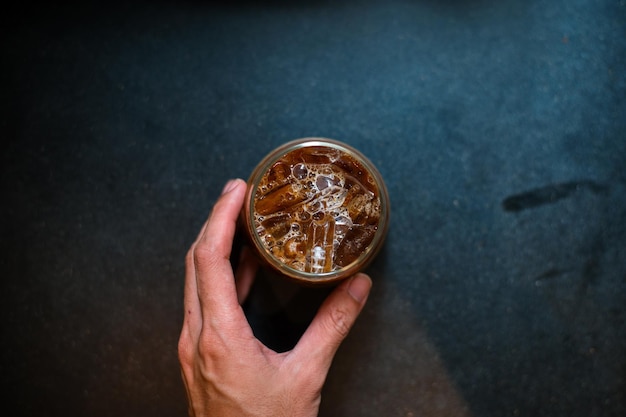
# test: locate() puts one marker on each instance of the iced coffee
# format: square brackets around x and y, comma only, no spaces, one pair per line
[317,207]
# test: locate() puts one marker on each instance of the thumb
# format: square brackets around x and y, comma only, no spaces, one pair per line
[334,320]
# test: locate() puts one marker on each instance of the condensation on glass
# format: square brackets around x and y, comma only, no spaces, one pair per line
[316,210]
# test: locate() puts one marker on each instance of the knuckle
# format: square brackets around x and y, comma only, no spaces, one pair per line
[185,348]
[340,321]
[212,355]
[206,253]
[209,345]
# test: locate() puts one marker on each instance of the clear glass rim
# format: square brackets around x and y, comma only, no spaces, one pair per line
[364,258]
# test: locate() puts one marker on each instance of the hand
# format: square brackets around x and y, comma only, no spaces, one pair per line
[226,370]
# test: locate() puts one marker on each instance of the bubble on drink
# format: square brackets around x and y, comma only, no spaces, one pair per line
[317,209]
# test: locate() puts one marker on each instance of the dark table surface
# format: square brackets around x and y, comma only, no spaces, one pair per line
[499,127]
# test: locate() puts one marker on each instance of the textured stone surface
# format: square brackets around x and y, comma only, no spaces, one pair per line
[497,125]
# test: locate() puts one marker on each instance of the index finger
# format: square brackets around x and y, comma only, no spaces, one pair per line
[214,274]
[193,317]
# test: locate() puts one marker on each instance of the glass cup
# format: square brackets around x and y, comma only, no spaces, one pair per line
[316,210]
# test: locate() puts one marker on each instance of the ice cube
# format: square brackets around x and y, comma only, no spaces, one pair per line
[278,226]
[279,199]
[319,245]
[354,243]
[278,174]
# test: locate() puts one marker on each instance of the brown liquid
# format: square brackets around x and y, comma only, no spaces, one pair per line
[316,209]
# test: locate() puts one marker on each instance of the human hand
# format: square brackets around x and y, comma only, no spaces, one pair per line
[227,371]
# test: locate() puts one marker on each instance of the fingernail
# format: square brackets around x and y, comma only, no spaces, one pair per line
[359,287]
[230,185]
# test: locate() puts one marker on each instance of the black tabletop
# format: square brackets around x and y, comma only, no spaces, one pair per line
[498,126]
